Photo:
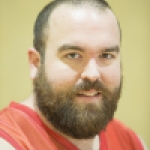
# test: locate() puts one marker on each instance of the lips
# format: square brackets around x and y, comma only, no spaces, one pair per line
[91,96]
[89,93]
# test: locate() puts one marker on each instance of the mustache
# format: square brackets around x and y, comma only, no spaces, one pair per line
[87,85]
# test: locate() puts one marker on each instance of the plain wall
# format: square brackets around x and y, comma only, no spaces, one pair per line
[16,23]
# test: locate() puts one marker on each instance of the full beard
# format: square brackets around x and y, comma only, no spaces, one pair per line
[79,121]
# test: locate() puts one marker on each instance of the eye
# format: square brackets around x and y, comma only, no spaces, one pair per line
[73,55]
[107,55]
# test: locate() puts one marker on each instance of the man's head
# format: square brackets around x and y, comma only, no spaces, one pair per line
[41,25]
[78,83]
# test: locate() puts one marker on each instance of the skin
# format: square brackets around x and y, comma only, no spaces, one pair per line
[82,43]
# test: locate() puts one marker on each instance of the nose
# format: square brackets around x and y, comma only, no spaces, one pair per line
[91,71]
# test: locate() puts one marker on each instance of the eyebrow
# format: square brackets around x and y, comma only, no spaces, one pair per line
[112,49]
[66,47]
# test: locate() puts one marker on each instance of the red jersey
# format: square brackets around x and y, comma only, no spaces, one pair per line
[24,130]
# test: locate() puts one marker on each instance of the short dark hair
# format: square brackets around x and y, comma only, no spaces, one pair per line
[41,23]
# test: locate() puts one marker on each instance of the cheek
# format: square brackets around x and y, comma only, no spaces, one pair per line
[61,75]
[111,76]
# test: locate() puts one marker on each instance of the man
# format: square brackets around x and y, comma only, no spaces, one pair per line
[76,73]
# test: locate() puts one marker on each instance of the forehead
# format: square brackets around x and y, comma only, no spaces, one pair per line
[82,21]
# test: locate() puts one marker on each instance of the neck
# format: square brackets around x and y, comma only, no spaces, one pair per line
[29,102]
[82,144]
[86,144]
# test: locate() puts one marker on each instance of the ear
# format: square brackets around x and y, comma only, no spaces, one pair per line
[34,61]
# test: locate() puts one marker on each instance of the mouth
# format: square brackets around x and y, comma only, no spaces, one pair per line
[91,96]
[88,94]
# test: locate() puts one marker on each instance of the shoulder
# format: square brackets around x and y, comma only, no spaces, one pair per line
[122,136]
[119,126]
[143,143]
[4,145]
[117,129]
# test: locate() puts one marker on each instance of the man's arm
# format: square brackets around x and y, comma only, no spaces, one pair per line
[4,145]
